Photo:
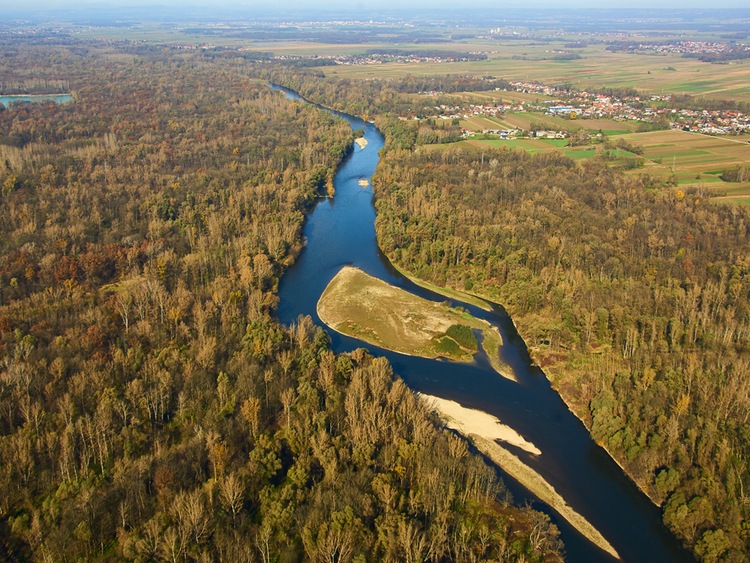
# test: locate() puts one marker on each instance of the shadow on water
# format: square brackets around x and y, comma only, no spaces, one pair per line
[339,232]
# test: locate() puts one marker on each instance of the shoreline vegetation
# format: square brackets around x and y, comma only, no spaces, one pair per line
[484,430]
[535,483]
[469,298]
[534,354]
[361,306]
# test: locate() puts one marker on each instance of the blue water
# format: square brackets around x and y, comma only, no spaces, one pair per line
[339,232]
[7,101]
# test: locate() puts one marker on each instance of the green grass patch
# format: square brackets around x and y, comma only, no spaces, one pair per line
[447,346]
[559,143]
[577,154]
[464,336]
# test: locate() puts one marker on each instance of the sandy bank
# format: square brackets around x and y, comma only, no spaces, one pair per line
[482,430]
[535,483]
[471,421]
[361,142]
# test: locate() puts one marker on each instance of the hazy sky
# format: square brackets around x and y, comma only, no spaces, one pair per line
[34,5]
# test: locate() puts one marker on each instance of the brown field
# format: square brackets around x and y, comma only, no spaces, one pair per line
[526,120]
[480,123]
[498,95]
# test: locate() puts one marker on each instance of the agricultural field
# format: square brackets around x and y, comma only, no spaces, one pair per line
[597,67]
[697,160]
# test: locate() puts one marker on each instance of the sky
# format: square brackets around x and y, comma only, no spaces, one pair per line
[42,5]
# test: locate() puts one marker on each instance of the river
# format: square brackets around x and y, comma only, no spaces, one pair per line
[7,101]
[340,231]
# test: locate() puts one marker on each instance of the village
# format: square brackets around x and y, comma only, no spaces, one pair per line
[656,111]
[686,48]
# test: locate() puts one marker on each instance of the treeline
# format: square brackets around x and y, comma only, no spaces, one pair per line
[736,174]
[635,301]
[32,86]
[151,407]
[386,99]
[736,53]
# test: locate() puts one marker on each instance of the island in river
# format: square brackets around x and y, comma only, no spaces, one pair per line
[362,306]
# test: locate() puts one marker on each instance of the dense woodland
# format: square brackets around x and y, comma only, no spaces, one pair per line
[151,407]
[633,297]
[635,301]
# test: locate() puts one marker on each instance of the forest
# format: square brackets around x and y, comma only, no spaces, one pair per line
[633,297]
[151,406]
[634,301]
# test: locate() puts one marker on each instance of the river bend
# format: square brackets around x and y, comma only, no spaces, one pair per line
[340,231]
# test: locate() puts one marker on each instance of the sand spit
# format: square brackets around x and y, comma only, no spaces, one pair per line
[361,142]
[483,430]
[471,421]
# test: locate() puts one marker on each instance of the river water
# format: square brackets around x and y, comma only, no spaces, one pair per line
[340,231]
[7,101]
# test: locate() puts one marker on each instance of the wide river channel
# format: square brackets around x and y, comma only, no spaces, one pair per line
[339,232]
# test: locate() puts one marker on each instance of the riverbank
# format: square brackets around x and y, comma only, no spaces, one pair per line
[483,430]
[447,292]
[565,393]
[471,421]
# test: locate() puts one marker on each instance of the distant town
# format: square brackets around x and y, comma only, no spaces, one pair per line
[654,109]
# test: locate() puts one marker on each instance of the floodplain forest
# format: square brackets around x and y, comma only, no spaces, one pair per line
[633,297]
[151,407]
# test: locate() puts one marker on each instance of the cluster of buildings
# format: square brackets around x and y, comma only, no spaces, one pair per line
[588,105]
[694,48]
[381,58]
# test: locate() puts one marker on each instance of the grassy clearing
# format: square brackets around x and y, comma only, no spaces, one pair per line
[578,154]
[364,307]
